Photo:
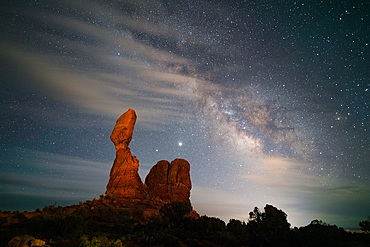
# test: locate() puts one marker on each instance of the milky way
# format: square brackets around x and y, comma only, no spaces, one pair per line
[268,101]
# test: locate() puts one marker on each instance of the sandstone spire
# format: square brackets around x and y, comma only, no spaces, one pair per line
[165,183]
[124,180]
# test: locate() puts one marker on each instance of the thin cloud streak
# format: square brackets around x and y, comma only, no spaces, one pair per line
[134,66]
[45,174]
[102,93]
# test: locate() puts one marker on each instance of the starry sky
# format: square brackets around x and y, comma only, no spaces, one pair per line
[267,100]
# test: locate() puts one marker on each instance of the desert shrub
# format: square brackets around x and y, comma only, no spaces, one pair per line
[365,225]
[237,228]
[138,214]
[151,236]
[125,214]
[3,221]
[269,228]
[19,216]
[99,242]
[58,225]
[211,224]
[319,233]
[107,214]
[175,211]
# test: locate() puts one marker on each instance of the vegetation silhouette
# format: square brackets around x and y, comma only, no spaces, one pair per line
[365,225]
[103,223]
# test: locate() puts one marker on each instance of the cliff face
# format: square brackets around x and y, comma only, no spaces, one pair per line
[165,183]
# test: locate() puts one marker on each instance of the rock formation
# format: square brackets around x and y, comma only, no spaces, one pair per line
[170,182]
[165,183]
[124,180]
[179,183]
[157,180]
[20,241]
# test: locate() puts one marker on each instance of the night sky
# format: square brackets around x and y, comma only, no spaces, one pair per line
[267,100]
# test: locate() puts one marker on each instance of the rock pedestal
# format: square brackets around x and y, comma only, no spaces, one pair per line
[124,180]
[165,183]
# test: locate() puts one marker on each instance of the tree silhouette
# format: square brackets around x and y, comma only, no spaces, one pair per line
[175,211]
[365,225]
[256,215]
[269,228]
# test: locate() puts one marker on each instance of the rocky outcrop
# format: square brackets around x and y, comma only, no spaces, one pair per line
[122,133]
[179,182]
[170,182]
[124,180]
[157,181]
[25,241]
[165,183]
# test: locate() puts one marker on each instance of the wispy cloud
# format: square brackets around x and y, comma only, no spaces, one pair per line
[106,72]
[33,173]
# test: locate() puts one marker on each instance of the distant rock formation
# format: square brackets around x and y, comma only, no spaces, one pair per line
[165,183]
[124,180]
[170,182]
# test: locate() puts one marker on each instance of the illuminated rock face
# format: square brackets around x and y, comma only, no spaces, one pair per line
[170,181]
[165,183]
[122,133]
[124,180]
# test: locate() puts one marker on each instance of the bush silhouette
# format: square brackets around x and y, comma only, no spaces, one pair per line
[175,211]
[104,224]
[365,225]
[269,228]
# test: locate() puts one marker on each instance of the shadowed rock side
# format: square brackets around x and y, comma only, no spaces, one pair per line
[170,182]
[124,180]
[157,180]
[165,183]
[179,180]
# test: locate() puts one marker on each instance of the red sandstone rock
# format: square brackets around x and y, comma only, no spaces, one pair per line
[157,180]
[193,215]
[166,182]
[123,130]
[170,182]
[179,182]
[124,180]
